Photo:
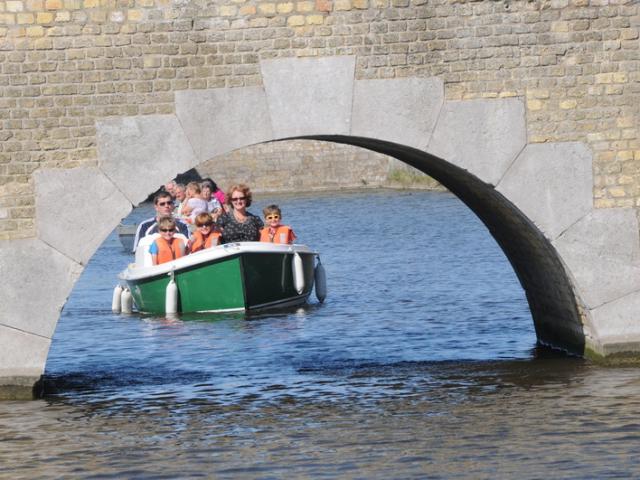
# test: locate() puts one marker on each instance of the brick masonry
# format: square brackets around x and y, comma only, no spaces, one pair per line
[307,165]
[66,63]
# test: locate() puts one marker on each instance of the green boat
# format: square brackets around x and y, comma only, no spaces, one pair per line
[231,277]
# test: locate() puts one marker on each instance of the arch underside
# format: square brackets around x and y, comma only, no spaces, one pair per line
[579,266]
[551,298]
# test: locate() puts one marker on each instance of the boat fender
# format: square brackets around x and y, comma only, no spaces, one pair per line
[116,301]
[298,273]
[126,301]
[321,281]
[171,297]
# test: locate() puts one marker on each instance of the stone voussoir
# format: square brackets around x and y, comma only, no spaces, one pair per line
[22,355]
[34,267]
[617,325]
[602,253]
[220,120]
[551,183]
[402,110]
[140,153]
[93,197]
[309,96]
[481,136]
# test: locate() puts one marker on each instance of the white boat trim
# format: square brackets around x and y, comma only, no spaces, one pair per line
[137,272]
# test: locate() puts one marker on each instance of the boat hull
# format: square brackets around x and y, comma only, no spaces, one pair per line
[243,278]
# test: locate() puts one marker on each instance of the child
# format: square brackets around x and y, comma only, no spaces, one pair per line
[206,235]
[193,203]
[166,247]
[274,232]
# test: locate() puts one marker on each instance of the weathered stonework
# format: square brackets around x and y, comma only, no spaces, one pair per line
[115,88]
[66,65]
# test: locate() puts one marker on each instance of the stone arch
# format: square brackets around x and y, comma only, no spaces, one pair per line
[582,282]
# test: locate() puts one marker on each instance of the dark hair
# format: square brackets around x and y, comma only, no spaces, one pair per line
[214,186]
[203,219]
[159,195]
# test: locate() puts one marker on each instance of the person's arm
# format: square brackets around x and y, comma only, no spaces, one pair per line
[183,228]
[292,236]
[153,250]
[141,231]
[136,239]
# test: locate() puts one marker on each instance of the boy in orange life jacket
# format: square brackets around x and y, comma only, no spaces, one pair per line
[274,232]
[166,247]
[206,235]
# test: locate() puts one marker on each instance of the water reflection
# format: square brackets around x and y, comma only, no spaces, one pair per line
[526,418]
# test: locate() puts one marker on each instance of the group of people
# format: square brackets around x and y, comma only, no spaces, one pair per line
[215,218]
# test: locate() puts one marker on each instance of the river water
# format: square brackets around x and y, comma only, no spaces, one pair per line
[421,363]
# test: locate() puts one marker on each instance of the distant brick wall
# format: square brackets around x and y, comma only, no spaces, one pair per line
[305,165]
[66,63]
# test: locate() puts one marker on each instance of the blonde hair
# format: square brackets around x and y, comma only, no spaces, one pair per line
[271,209]
[166,222]
[193,187]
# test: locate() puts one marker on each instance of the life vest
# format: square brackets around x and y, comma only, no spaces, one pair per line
[168,251]
[198,242]
[283,234]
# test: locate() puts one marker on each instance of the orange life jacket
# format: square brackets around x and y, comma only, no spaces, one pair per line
[283,234]
[168,251]
[198,242]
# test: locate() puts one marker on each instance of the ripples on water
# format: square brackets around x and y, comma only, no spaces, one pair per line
[421,363]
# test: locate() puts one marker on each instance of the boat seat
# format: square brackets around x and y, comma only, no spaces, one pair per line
[143,257]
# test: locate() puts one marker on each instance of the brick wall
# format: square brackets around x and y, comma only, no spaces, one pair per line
[65,63]
[306,165]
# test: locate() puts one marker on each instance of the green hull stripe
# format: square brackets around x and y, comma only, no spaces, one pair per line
[242,282]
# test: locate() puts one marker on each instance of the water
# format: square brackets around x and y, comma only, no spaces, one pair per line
[422,363]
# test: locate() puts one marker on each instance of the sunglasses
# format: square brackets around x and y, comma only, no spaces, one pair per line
[238,199]
[273,217]
[164,204]
[167,229]
[207,225]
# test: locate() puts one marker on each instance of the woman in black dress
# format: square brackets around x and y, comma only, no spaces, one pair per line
[238,224]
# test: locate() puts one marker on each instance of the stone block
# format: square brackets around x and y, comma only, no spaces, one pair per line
[602,252]
[617,324]
[80,204]
[401,110]
[217,121]
[39,280]
[139,154]
[22,356]
[552,184]
[481,136]
[309,96]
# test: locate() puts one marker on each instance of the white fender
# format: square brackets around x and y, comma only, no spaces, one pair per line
[171,297]
[321,281]
[116,300]
[298,272]
[126,301]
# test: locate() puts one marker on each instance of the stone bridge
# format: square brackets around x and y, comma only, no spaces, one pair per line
[547,157]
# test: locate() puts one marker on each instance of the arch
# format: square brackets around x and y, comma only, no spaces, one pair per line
[582,282]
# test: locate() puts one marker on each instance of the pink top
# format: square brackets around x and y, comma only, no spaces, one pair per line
[219,194]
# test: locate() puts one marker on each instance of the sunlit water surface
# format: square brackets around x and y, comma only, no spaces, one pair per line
[420,364]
